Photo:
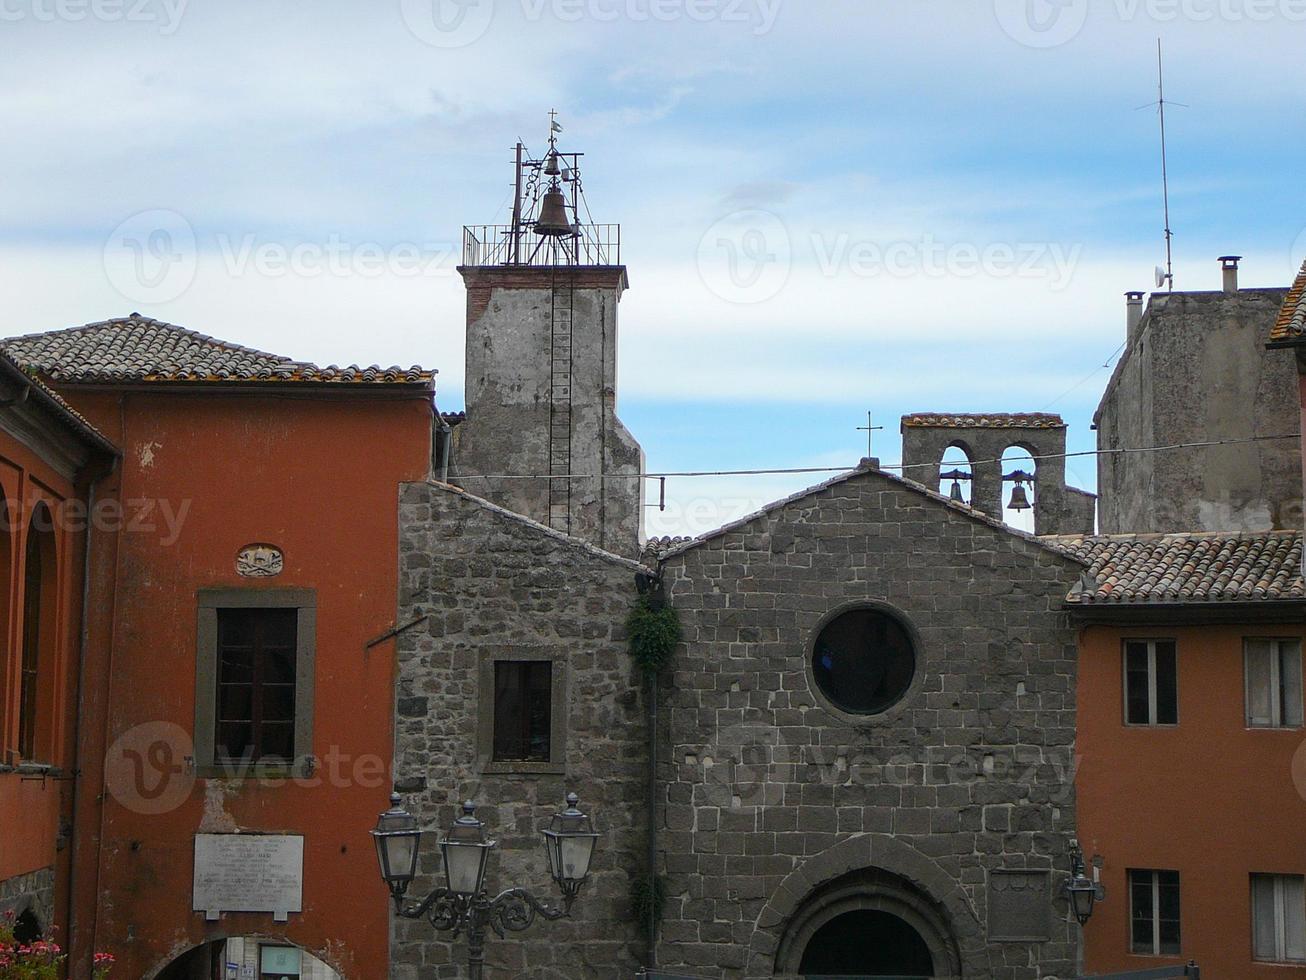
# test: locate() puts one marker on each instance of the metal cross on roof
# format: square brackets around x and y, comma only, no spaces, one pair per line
[869,429]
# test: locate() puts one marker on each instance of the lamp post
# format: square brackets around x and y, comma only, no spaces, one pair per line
[463,904]
[1081,890]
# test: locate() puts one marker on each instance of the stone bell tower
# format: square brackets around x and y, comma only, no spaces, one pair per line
[542,436]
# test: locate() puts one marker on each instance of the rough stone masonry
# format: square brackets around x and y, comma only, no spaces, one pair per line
[778,812]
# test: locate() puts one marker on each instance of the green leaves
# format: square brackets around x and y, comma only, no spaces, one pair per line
[654,633]
[648,897]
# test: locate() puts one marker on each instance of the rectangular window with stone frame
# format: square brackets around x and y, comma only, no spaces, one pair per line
[1272,675]
[1151,683]
[522,711]
[254,681]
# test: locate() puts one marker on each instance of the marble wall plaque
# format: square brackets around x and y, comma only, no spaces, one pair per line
[1020,905]
[248,873]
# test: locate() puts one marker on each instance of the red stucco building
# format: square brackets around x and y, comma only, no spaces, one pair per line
[237,676]
[51,462]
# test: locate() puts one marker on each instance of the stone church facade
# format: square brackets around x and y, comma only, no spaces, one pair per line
[779,811]
[785,809]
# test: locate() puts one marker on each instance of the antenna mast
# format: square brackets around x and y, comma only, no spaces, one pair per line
[1165,176]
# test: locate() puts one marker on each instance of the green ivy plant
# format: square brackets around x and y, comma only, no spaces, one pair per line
[648,897]
[654,633]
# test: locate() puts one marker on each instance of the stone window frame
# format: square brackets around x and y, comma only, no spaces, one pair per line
[208,602]
[909,696]
[558,702]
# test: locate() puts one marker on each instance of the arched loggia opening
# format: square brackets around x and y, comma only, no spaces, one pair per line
[6,597]
[956,474]
[36,685]
[1019,472]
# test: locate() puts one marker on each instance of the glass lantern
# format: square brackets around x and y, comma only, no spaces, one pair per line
[569,841]
[466,851]
[396,837]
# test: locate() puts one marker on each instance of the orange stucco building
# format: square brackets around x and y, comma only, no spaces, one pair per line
[238,678]
[50,460]
[1191,779]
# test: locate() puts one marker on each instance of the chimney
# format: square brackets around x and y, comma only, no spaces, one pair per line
[1133,314]
[1229,265]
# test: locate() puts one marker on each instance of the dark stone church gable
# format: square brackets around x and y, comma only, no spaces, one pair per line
[782,812]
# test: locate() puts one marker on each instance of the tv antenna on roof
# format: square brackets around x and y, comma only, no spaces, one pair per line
[1164,277]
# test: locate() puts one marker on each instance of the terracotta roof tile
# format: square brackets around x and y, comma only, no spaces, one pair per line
[1180,568]
[64,412]
[1290,327]
[988,420]
[137,348]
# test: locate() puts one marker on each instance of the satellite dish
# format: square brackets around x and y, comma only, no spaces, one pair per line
[1160,277]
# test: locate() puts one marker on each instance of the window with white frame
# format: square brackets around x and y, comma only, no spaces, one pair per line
[1272,669]
[1279,918]
[1150,683]
[1154,912]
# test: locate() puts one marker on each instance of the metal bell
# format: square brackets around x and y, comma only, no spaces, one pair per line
[551,164]
[1019,501]
[955,492]
[553,215]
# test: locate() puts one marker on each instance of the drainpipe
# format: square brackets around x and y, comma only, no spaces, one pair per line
[652,818]
[657,599]
[446,433]
[79,762]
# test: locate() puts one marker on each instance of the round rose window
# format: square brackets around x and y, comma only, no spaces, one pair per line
[863,661]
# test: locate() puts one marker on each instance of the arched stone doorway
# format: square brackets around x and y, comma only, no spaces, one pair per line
[869,923]
[246,958]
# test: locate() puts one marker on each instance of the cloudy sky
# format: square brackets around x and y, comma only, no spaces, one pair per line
[829,207]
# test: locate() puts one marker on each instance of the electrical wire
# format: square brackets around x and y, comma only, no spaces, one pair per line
[1091,374]
[889,466]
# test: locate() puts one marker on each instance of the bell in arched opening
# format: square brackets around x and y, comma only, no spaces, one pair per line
[1019,499]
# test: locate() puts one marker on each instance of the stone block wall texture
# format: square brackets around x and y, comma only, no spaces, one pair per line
[1058,509]
[1198,371]
[510,387]
[491,581]
[770,796]
[35,891]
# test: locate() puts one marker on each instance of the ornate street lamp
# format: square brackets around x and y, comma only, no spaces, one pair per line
[396,836]
[1081,890]
[463,904]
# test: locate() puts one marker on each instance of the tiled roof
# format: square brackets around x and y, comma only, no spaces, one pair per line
[138,348]
[989,420]
[1186,568]
[1291,324]
[55,403]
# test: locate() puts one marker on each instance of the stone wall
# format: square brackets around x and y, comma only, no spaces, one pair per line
[777,806]
[495,584]
[1197,371]
[509,381]
[1058,509]
[34,891]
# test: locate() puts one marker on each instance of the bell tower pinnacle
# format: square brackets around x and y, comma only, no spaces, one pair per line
[542,436]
